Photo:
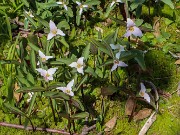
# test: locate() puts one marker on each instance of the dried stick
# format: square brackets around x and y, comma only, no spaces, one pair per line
[148,123]
[36,129]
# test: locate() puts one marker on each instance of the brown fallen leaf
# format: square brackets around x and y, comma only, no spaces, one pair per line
[144,113]
[130,104]
[110,124]
[177,62]
[156,27]
[17,96]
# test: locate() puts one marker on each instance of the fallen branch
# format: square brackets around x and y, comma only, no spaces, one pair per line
[36,129]
[148,123]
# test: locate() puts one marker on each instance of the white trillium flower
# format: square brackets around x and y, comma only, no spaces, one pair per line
[63,3]
[30,96]
[114,1]
[78,65]
[118,63]
[47,74]
[132,29]
[81,7]
[29,13]
[54,31]
[143,93]
[68,88]
[119,47]
[43,57]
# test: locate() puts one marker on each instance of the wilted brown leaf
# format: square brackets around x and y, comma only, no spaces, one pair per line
[144,113]
[130,104]
[156,27]
[110,124]
[17,96]
[177,62]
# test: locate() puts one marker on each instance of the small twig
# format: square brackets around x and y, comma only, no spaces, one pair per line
[36,129]
[86,130]
[148,123]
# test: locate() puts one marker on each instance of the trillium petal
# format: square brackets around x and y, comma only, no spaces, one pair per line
[49,57]
[77,2]
[59,2]
[50,78]
[147,97]
[137,32]
[80,11]
[41,54]
[65,7]
[70,84]
[118,1]
[73,64]
[114,46]
[114,67]
[80,70]
[85,6]
[118,55]
[50,35]
[42,71]
[71,93]
[51,71]
[121,48]
[80,60]
[122,64]
[143,88]
[52,26]
[112,4]
[59,32]
[128,33]
[130,23]
[38,63]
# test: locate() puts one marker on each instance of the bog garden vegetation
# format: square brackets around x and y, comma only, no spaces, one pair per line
[89,67]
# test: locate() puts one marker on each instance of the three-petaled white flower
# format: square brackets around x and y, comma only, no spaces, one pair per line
[47,74]
[132,29]
[68,88]
[118,63]
[54,31]
[81,7]
[29,13]
[43,57]
[114,1]
[63,3]
[143,93]
[78,65]
[119,47]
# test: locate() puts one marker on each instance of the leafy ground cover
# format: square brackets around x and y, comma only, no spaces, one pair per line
[102,64]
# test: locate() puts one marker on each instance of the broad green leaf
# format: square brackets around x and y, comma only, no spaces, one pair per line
[77,104]
[55,85]
[31,20]
[80,115]
[25,3]
[14,109]
[90,71]
[99,72]
[9,62]
[10,88]
[30,89]
[50,93]
[33,60]
[92,2]
[66,61]
[23,81]
[63,41]
[106,91]
[60,95]
[30,78]
[42,21]
[81,82]
[169,3]
[86,51]
[34,47]
[127,55]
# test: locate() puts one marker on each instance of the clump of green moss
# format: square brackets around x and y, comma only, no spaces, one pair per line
[161,68]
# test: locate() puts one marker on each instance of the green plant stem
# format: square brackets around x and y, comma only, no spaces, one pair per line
[126,9]
[53,111]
